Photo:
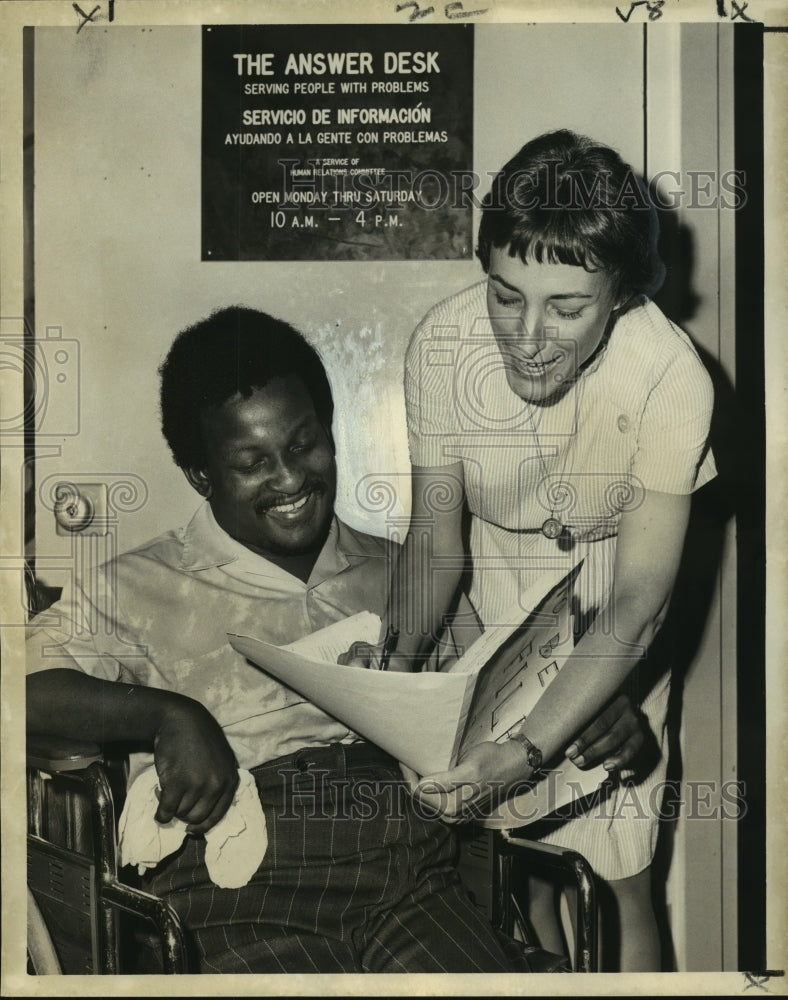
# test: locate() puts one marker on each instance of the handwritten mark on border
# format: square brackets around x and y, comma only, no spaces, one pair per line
[452,11]
[91,17]
[759,980]
[654,9]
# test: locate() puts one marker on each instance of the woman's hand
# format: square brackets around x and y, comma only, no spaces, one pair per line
[483,776]
[487,771]
[613,739]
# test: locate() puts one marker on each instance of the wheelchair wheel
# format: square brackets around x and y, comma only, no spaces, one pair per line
[42,959]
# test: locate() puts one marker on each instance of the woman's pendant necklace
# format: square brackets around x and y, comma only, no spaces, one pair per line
[552,527]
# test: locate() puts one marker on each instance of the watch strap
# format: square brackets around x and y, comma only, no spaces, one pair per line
[534,753]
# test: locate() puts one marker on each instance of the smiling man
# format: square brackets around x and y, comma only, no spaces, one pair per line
[142,655]
[247,409]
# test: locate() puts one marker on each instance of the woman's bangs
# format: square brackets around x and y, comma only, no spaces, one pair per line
[553,244]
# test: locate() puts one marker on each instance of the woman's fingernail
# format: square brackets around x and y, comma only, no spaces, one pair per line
[571,751]
[579,760]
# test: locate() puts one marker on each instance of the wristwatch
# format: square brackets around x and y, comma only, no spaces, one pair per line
[534,753]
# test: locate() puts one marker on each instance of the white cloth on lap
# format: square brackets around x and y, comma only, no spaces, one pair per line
[234,847]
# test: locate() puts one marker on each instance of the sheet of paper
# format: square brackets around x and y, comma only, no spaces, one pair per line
[412,716]
[515,676]
[559,787]
[488,643]
[418,718]
[521,666]
[329,642]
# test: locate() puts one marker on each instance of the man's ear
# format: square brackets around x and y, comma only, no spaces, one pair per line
[200,481]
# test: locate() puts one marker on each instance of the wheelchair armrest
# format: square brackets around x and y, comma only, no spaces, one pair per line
[571,865]
[85,821]
[57,754]
[545,856]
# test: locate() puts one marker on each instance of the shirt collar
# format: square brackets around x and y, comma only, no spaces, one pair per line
[207,545]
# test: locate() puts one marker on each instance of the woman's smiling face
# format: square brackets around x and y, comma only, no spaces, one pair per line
[548,320]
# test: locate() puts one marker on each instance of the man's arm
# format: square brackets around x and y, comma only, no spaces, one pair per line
[197,769]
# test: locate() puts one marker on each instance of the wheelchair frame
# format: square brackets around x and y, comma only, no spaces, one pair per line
[78,880]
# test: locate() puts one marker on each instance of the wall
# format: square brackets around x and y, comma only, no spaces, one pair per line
[689,85]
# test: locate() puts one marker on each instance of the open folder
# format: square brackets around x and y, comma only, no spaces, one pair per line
[427,720]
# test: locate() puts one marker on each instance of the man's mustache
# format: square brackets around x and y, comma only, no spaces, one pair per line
[318,487]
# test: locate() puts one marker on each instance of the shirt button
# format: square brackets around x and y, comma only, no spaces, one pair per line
[623,423]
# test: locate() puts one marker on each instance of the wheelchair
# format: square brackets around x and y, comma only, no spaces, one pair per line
[84,916]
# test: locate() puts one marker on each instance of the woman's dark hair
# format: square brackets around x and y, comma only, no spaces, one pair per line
[569,200]
[235,350]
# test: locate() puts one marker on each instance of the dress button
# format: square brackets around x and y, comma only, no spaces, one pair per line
[623,423]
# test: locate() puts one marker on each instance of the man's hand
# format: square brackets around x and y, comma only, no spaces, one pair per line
[613,739]
[370,655]
[362,654]
[197,770]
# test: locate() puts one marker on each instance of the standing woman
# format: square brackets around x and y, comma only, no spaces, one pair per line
[556,415]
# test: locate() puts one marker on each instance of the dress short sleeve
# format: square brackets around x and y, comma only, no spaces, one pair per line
[673,453]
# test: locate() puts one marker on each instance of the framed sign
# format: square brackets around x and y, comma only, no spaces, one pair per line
[337,142]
